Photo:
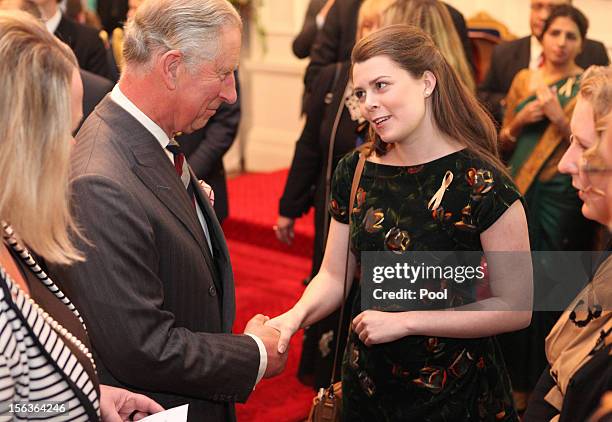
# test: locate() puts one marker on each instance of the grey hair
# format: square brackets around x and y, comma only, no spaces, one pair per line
[190,26]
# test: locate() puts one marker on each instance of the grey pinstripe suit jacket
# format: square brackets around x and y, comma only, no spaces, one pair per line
[158,308]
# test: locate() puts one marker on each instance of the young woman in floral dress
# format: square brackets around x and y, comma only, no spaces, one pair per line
[432,181]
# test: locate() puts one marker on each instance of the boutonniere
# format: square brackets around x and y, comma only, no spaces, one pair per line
[208,190]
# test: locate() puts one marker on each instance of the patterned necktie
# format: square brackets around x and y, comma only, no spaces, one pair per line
[181,167]
[182,170]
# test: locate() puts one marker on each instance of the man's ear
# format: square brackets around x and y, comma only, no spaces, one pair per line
[170,63]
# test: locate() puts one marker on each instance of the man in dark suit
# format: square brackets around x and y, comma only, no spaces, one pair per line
[156,289]
[206,147]
[82,39]
[509,58]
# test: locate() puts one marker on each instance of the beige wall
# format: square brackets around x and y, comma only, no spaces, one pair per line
[272,90]
[272,81]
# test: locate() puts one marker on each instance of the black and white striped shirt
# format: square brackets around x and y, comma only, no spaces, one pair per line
[37,367]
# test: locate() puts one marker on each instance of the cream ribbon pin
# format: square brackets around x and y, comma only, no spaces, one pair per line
[436,200]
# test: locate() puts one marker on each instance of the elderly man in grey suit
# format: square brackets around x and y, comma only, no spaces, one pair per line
[156,289]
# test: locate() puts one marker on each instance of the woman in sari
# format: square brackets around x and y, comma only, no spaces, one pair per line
[536,128]
[536,125]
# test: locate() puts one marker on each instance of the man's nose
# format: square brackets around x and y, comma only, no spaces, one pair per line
[228,90]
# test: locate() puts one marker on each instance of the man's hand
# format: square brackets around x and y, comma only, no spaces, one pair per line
[269,336]
[117,405]
[284,229]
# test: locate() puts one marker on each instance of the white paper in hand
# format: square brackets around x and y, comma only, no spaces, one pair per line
[176,414]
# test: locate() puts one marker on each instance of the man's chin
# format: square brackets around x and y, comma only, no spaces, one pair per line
[196,126]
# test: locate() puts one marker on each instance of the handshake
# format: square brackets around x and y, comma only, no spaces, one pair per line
[275,335]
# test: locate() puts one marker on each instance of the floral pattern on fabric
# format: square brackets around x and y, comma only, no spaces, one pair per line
[420,208]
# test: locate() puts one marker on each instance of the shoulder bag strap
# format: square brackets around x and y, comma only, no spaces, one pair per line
[347,277]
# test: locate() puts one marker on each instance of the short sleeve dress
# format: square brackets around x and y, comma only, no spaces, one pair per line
[420,378]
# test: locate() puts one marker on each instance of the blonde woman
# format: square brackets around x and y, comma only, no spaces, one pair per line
[433,17]
[44,350]
[579,345]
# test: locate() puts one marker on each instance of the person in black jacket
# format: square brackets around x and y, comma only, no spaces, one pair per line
[313,21]
[510,57]
[83,40]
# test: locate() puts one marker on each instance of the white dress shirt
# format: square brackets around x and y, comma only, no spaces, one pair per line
[124,102]
[535,53]
[53,22]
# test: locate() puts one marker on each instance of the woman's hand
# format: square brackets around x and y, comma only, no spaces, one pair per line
[288,324]
[529,114]
[551,107]
[376,327]
[284,229]
[117,405]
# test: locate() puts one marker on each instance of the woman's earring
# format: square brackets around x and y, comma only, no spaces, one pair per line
[427,94]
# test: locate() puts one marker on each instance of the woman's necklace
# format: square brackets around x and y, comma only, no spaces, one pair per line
[57,327]
[9,237]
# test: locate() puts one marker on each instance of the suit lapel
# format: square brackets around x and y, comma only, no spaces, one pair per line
[523,54]
[155,170]
[222,257]
[64,31]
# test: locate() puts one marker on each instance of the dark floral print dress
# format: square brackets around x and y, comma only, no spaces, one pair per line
[420,378]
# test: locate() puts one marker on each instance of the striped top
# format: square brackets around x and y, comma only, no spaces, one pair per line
[42,371]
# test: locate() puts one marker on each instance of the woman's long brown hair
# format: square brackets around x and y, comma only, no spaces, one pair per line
[456,111]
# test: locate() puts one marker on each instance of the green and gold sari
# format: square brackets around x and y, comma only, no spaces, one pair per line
[554,217]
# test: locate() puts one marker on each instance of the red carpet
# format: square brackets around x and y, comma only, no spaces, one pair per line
[253,200]
[268,281]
